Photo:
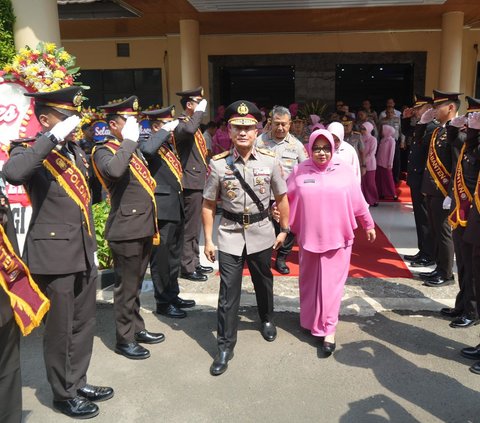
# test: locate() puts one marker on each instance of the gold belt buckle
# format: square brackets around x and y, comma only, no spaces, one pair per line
[246,220]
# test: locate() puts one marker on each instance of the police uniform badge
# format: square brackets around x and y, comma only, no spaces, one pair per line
[242,109]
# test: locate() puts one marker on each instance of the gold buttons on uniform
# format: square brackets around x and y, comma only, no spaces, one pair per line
[134,210]
[52,234]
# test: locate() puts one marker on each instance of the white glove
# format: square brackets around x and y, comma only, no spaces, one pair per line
[427,116]
[459,121]
[95,258]
[202,106]
[447,203]
[474,120]
[170,126]
[131,130]
[63,128]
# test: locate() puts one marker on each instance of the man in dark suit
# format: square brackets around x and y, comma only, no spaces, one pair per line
[416,166]
[166,169]
[193,154]
[131,225]
[436,185]
[59,247]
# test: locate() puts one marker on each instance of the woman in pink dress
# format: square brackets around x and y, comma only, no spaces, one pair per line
[369,186]
[385,155]
[325,199]
[221,140]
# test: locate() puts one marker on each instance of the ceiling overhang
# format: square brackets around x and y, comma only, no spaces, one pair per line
[254,5]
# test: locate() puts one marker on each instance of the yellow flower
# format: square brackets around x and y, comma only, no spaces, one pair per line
[55,86]
[64,56]
[49,47]
[58,74]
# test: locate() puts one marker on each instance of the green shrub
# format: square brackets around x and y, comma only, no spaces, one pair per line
[100,215]
[7,45]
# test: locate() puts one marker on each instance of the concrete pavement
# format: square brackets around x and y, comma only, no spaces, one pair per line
[396,361]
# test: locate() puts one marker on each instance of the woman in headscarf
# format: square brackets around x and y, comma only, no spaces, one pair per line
[325,199]
[369,186]
[385,155]
[344,150]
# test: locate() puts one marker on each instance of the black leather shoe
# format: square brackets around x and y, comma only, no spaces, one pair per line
[281,266]
[450,312]
[463,322]
[422,262]
[471,352]
[204,269]
[146,337]
[181,303]
[328,347]
[427,275]
[269,331]
[475,368]
[132,351]
[78,408]
[220,362]
[170,310]
[415,257]
[438,281]
[194,276]
[96,393]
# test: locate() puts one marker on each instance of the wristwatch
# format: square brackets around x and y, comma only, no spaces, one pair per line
[285,230]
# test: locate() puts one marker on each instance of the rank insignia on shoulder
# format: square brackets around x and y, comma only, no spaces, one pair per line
[221,155]
[266,152]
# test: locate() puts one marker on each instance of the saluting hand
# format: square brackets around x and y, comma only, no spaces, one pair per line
[61,130]
[427,116]
[459,121]
[371,235]
[209,251]
[170,126]
[131,131]
[474,120]
[202,106]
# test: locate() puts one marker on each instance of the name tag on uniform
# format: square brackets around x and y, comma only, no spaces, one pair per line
[259,171]
[309,181]
[290,154]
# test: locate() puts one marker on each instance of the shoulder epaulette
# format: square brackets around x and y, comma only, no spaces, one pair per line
[266,152]
[221,155]
[24,142]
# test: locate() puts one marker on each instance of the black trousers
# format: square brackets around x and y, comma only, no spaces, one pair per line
[424,240]
[193,219]
[10,376]
[465,300]
[231,268]
[130,261]
[69,329]
[396,163]
[165,262]
[476,275]
[441,233]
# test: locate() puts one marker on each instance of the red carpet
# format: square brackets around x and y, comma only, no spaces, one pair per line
[403,193]
[377,260]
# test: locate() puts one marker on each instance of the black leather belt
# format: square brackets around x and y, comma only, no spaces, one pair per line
[246,218]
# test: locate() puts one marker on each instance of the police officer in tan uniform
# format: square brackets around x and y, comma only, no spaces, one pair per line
[131,225]
[289,151]
[244,179]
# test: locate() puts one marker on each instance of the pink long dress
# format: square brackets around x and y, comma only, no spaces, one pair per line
[385,154]
[369,185]
[324,202]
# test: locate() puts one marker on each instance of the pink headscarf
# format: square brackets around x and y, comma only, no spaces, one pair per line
[293,109]
[337,129]
[315,135]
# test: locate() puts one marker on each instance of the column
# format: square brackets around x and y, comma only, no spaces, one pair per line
[35,21]
[190,53]
[451,51]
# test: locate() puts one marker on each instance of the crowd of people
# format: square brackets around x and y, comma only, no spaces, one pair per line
[273,177]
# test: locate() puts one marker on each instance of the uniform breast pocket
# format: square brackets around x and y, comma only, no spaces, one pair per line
[50,231]
[162,189]
[133,209]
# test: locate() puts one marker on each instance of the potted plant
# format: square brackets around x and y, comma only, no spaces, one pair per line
[104,254]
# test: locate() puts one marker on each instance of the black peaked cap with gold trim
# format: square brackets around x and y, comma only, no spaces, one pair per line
[67,101]
[191,94]
[124,107]
[473,104]
[442,97]
[421,100]
[243,112]
[166,114]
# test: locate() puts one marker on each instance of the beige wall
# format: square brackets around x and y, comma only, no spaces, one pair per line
[145,53]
